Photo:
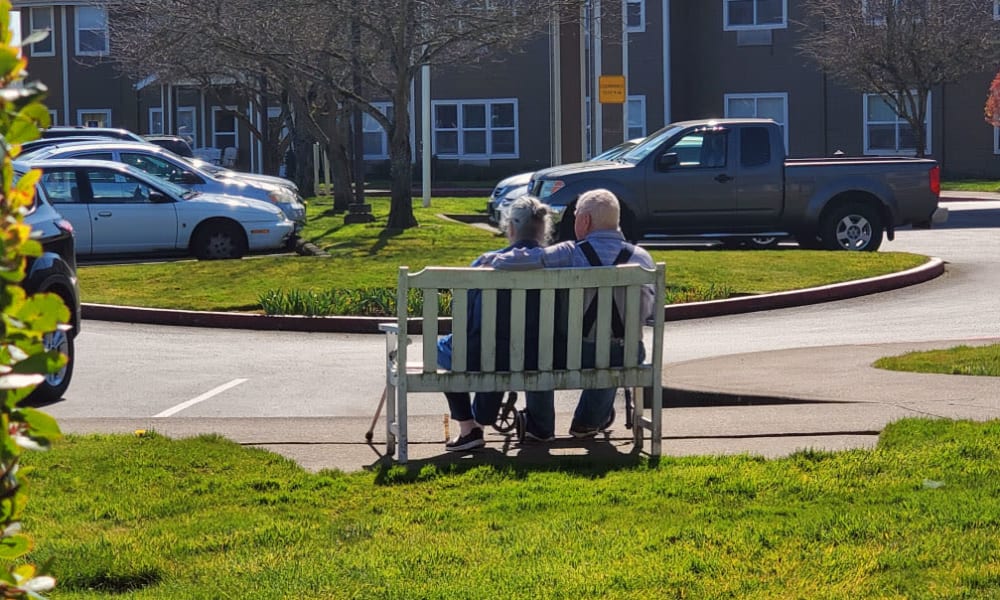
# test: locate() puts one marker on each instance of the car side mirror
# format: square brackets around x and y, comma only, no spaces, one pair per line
[157,197]
[189,178]
[665,161]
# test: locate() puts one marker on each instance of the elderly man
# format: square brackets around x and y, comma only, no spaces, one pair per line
[599,242]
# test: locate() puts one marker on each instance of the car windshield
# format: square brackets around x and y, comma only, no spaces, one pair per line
[648,145]
[617,151]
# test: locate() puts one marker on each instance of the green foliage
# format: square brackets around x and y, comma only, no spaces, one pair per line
[960,360]
[24,320]
[362,302]
[154,518]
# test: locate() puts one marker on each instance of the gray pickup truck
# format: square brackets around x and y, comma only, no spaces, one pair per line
[729,180]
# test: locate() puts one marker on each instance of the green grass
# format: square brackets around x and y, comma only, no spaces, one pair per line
[960,360]
[365,255]
[971,185]
[150,518]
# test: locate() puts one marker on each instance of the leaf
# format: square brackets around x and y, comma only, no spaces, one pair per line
[40,425]
[42,362]
[19,380]
[15,546]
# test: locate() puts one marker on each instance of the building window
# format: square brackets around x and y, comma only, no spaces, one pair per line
[996,9]
[91,31]
[187,124]
[475,128]
[887,133]
[224,133]
[41,20]
[376,140]
[90,117]
[760,106]
[754,14]
[996,140]
[636,117]
[635,16]
[156,121]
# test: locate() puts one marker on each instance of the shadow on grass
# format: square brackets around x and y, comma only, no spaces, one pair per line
[383,240]
[588,458]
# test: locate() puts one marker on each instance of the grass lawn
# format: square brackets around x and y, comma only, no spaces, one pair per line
[971,185]
[365,255]
[960,360]
[148,517]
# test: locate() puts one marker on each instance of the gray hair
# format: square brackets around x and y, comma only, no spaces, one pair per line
[529,218]
[602,206]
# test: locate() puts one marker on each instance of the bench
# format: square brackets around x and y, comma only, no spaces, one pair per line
[405,376]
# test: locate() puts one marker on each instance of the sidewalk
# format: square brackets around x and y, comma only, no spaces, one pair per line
[746,410]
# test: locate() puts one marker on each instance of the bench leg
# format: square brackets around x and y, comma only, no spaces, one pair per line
[638,403]
[401,420]
[390,419]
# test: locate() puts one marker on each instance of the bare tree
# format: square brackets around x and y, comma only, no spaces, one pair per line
[901,49]
[310,46]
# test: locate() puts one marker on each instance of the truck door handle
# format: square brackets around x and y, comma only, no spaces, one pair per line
[723,178]
[104,213]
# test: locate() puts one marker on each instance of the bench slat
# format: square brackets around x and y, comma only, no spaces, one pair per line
[488,332]
[459,327]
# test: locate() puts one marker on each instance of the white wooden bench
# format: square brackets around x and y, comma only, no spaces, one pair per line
[424,375]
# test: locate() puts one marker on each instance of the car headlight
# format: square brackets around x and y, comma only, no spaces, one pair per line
[550,187]
[280,195]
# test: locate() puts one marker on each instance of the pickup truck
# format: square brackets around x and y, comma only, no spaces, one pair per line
[729,180]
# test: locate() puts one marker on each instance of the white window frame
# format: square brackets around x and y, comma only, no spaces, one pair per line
[156,110]
[76,24]
[53,116]
[641,27]
[996,9]
[898,151]
[727,27]
[193,134]
[367,120]
[236,128]
[996,140]
[80,112]
[51,40]
[640,110]
[459,129]
[756,97]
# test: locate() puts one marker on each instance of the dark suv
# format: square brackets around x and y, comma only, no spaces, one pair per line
[54,271]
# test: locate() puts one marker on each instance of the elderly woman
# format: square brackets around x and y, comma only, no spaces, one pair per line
[527,225]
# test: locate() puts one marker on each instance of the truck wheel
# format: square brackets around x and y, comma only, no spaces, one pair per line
[853,226]
[564,228]
[627,224]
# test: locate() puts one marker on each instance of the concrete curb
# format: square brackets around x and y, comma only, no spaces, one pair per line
[674,312]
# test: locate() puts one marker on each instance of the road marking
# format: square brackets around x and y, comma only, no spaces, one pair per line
[214,392]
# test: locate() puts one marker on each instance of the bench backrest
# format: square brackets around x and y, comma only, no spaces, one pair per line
[570,286]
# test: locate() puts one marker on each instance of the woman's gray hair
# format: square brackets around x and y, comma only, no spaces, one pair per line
[530,219]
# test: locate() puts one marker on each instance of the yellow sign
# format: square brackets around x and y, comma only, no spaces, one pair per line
[611,89]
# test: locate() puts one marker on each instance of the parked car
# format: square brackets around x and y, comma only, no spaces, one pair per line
[55,272]
[175,143]
[80,131]
[166,165]
[730,179]
[28,148]
[118,209]
[226,173]
[515,186]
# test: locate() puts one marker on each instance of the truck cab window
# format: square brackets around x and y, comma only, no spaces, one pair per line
[701,149]
[755,147]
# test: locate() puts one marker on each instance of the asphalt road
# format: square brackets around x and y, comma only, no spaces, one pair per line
[141,371]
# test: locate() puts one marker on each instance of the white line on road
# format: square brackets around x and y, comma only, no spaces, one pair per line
[214,392]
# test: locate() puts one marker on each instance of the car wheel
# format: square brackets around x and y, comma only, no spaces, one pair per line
[853,226]
[762,242]
[627,224]
[55,384]
[216,241]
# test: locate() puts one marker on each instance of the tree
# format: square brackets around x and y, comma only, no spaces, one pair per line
[901,49]
[315,52]
[23,319]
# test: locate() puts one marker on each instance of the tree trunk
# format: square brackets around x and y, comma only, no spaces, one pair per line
[401,163]
[340,164]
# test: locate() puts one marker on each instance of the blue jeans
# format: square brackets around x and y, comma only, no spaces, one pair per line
[594,407]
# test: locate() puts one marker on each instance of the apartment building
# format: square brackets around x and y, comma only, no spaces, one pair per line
[681,59]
